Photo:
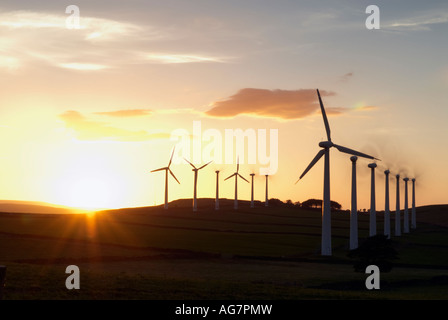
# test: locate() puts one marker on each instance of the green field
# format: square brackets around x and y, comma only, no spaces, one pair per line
[261,253]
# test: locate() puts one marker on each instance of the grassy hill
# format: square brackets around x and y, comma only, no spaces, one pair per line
[260,253]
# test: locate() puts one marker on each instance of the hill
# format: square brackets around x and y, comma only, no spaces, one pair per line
[35,207]
[176,254]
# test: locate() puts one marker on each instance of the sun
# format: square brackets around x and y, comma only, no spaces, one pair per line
[89,193]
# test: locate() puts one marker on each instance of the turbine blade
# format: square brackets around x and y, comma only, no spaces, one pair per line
[172,154]
[353,152]
[242,177]
[173,176]
[230,176]
[327,126]
[312,163]
[238,164]
[190,163]
[160,169]
[205,165]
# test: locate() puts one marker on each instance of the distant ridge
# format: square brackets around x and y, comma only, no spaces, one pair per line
[35,207]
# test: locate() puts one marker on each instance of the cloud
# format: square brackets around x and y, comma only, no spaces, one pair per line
[336,111]
[365,108]
[97,44]
[126,113]
[419,23]
[283,104]
[91,130]
[89,27]
[180,58]
[83,66]
[347,76]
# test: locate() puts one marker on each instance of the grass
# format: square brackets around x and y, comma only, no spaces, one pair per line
[261,253]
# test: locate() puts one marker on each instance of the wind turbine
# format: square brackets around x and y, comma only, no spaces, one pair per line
[217,190]
[397,210]
[414,219]
[236,175]
[326,209]
[252,191]
[195,170]
[386,207]
[167,169]
[266,201]
[372,229]
[354,208]
[406,211]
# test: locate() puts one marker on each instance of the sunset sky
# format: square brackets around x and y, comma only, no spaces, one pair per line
[87,113]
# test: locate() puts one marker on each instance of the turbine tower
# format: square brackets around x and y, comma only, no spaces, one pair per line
[167,169]
[252,191]
[217,191]
[397,210]
[354,208]
[266,201]
[195,170]
[413,218]
[326,209]
[236,175]
[386,207]
[372,229]
[406,211]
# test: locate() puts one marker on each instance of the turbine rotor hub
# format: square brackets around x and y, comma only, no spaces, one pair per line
[372,165]
[325,144]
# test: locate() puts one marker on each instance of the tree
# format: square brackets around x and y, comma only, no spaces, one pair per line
[377,250]
[334,205]
[274,202]
[312,203]
[316,203]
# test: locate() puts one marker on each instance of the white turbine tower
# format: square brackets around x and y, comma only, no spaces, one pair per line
[372,229]
[326,209]
[167,169]
[252,205]
[354,208]
[397,210]
[195,170]
[386,207]
[217,191]
[413,218]
[236,175]
[406,211]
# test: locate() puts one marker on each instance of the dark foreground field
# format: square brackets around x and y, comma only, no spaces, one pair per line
[261,253]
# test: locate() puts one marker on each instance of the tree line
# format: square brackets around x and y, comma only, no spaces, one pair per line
[308,204]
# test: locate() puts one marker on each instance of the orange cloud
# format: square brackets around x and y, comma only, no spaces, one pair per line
[363,108]
[126,113]
[283,104]
[91,130]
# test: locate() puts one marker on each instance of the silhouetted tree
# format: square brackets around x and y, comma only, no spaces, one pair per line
[316,203]
[274,202]
[376,250]
[312,203]
[334,205]
[289,203]
[297,204]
